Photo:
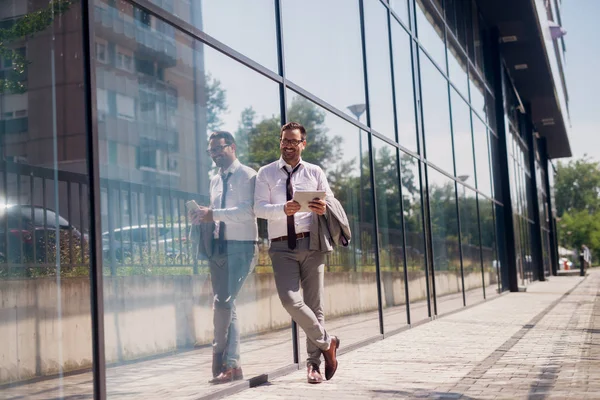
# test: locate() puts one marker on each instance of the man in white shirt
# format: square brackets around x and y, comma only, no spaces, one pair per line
[293,261]
[234,252]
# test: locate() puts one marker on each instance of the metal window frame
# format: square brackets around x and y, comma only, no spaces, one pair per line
[93,166]
[372,165]
[284,84]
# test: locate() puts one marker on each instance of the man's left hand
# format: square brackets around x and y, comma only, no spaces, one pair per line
[318,206]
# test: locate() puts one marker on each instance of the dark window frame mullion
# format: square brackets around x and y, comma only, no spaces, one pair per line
[423,175]
[283,120]
[372,164]
[93,167]
[460,243]
[480,246]
[398,169]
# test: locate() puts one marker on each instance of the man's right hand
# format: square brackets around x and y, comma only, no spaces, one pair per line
[195,217]
[291,207]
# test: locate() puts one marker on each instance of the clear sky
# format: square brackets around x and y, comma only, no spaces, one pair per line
[580,19]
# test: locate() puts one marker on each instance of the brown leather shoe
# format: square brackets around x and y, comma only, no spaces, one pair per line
[330,356]
[313,375]
[227,376]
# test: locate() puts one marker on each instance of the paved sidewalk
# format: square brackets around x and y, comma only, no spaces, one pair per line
[544,343]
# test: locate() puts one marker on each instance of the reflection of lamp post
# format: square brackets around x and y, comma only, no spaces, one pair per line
[463,179]
[358,110]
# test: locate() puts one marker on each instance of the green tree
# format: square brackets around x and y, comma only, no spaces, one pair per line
[577,195]
[13,81]
[577,186]
[580,227]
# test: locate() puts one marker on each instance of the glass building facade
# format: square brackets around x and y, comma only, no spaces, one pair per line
[106,108]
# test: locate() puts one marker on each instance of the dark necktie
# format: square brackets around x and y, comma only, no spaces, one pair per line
[291,229]
[224,178]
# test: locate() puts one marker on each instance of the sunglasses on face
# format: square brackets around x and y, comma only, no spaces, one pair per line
[288,142]
[217,149]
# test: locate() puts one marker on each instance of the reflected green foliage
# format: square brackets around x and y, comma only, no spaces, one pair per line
[216,103]
[258,142]
[23,261]
[577,195]
[13,81]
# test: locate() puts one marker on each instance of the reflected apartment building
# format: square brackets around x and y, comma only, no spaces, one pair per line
[434,120]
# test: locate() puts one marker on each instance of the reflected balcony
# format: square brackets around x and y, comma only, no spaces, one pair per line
[117,27]
[114,128]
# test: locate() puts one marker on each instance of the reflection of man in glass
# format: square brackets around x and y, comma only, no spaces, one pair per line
[234,249]
[289,230]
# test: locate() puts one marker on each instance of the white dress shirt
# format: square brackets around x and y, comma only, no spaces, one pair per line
[270,194]
[238,214]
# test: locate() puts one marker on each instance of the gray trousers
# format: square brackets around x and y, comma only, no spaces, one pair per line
[306,268]
[228,271]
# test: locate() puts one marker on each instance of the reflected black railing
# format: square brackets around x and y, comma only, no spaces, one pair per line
[38,236]
[146,229]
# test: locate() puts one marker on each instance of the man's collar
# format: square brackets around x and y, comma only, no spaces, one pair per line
[282,163]
[232,168]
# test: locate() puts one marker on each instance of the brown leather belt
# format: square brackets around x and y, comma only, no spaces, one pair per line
[285,238]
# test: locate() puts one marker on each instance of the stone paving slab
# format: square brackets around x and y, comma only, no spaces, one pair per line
[476,353]
[543,343]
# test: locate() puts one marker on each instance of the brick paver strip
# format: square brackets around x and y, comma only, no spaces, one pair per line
[492,359]
[534,345]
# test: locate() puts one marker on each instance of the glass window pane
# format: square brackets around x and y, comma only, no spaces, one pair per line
[491,264]
[404,88]
[431,33]
[482,156]
[342,150]
[45,284]
[249,27]
[478,94]
[463,142]
[400,7]
[378,66]
[444,235]
[309,61]
[415,240]
[436,116]
[180,92]
[391,253]
[457,67]
[471,250]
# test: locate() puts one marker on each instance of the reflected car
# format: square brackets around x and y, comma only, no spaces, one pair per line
[28,234]
[130,240]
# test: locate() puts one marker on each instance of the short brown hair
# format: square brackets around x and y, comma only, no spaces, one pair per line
[216,135]
[290,126]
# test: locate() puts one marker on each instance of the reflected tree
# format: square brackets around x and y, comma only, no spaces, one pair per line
[258,142]
[216,102]
[14,80]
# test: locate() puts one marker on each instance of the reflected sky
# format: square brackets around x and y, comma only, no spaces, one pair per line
[463,143]
[378,67]
[248,27]
[482,160]
[401,9]
[430,35]
[436,116]
[404,88]
[315,52]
